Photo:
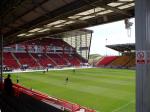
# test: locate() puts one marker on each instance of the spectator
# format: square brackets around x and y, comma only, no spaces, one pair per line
[8,85]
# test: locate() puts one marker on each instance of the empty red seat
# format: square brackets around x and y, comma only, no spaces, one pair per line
[106,60]
[9,60]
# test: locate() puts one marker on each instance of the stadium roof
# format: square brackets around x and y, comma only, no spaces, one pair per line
[122,47]
[28,19]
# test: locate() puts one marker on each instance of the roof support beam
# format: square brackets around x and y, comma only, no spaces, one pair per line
[90,22]
[59,13]
[18,17]
[117,10]
[9,6]
[63,12]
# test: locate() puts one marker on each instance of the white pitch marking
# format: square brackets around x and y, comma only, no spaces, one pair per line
[121,107]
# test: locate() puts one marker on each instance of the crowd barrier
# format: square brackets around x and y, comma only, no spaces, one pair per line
[65,105]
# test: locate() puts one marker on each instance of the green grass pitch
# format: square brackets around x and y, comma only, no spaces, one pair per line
[105,90]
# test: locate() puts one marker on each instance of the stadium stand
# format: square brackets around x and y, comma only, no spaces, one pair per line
[25,59]
[58,58]
[20,17]
[44,53]
[25,103]
[131,62]
[9,61]
[73,60]
[80,58]
[28,100]
[106,60]
[120,61]
[126,60]
[42,59]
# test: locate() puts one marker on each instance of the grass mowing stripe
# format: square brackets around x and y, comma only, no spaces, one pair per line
[102,89]
[88,81]
[83,78]
[105,79]
[85,88]
[124,74]
[96,76]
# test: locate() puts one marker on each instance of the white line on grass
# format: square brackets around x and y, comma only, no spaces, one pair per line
[123,106]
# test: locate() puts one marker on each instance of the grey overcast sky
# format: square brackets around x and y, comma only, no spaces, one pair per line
[115,33]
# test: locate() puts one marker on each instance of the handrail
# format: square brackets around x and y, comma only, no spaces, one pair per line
[72,107]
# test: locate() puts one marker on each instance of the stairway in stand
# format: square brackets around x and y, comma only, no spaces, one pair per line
[16,59]
[51,60]
[34,59]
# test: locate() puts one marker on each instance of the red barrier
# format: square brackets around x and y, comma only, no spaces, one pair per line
[50,100]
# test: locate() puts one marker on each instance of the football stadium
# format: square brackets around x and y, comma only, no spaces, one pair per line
[45,48]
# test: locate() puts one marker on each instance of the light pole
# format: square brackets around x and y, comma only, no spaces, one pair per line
[105,45]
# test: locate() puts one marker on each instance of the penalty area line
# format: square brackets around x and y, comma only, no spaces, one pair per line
[123,106]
